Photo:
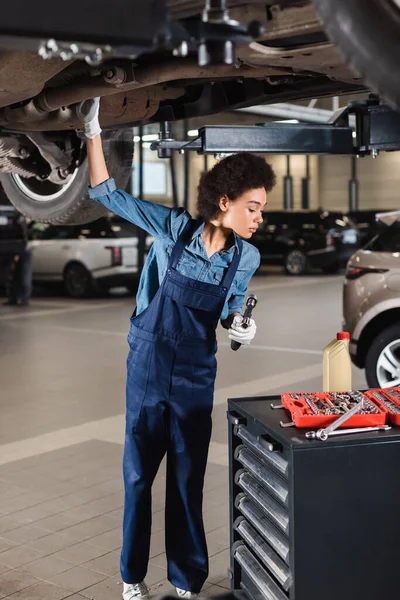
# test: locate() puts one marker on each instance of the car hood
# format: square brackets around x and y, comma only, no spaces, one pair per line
[389,217]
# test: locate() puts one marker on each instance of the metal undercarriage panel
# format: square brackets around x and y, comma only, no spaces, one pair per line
[292,56]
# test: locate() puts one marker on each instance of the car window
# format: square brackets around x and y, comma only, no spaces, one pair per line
[96,230]
[271,221]
[123,229]
[291,221]
[386,241]
[307,221]
[335,220]
[41,231]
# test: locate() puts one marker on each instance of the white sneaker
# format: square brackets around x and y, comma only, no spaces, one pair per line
[135,591]
[185,594]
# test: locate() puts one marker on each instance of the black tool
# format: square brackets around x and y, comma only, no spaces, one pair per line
[250,304]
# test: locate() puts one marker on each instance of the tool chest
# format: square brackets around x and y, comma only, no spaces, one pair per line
[311,519]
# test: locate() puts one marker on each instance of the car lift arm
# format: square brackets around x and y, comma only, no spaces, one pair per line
[377,127]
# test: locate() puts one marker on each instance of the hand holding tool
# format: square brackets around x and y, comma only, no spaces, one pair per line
[88,113]
[243,330]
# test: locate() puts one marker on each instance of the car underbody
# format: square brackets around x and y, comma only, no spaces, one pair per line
[279,51]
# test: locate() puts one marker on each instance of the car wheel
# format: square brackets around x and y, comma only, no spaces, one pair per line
[331,269]
[382,364]
[296,263]
[367,33]
[78,281]
[70,204]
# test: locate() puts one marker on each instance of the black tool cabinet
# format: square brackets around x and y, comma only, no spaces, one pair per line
[311,520]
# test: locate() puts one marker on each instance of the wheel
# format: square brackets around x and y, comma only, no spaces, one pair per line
[296,263]
[70,204]
[331,269]
[382,364]
[367,33]
[78,281]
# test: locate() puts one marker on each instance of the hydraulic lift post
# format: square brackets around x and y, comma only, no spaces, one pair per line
[353,186]
[288,186]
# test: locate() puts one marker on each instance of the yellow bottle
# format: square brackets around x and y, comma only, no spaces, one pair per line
[337,364]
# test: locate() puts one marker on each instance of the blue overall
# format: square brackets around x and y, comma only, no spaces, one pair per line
[169,395]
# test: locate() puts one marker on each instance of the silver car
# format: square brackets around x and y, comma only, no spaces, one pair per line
[371,305]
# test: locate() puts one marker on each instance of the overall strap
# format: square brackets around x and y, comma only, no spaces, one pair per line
[182,241]
[231,271]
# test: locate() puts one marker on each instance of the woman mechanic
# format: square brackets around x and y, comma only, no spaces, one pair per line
[196,273]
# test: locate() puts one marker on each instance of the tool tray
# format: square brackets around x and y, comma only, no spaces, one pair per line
[388,400]
[303,415]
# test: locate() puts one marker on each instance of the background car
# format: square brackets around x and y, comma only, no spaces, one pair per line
[367,223]
[300,240]
[371,306]
[88,258]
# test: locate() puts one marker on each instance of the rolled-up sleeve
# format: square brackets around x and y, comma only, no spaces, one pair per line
[236,299]
[156,219]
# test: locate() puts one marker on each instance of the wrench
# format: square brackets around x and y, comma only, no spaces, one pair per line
[312,435]
[323,434]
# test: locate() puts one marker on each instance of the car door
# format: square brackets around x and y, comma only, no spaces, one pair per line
[311,235]
[50,248]
[265,237]
[287,234]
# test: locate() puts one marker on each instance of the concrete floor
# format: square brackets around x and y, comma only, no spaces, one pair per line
[62,369]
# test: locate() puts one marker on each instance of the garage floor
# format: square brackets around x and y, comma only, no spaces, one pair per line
[62,383]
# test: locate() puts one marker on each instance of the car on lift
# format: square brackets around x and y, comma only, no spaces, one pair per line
[163,61]
[371,305]
[302,240]
[89,258]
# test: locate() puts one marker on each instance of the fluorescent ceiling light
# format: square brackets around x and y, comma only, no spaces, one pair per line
[288,121]
[150,137]
[193,133]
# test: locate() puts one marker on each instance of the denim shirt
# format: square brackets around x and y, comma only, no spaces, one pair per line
[166,224]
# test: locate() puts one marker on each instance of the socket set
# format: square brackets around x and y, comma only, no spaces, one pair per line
[388,400]
[322,409]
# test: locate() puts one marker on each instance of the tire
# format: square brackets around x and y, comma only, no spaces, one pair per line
[385,342]
[78,282]
[367,33]
[296,263]
[331,269]
[72,206]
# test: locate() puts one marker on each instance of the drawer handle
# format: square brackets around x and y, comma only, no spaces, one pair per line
[235,418]
[267,442]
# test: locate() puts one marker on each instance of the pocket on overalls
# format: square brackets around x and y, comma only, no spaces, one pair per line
[138,370]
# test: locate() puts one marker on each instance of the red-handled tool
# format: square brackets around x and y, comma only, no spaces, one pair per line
[250,304]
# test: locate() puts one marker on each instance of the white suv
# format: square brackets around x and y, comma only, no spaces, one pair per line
[87,258]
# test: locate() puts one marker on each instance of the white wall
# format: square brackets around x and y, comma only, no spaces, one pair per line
[379,181]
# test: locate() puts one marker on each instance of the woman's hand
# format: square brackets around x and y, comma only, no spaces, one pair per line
[88,114]
[243,335]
